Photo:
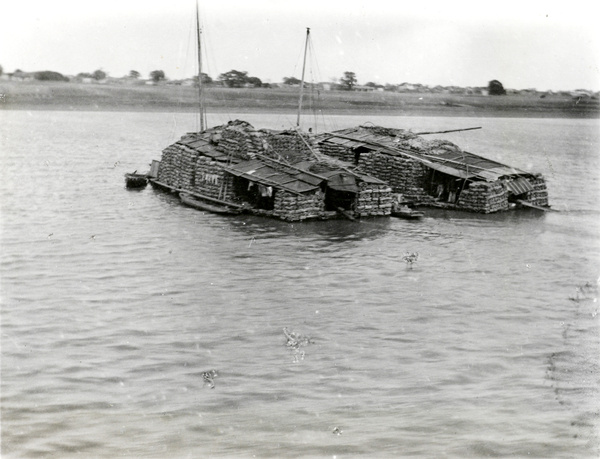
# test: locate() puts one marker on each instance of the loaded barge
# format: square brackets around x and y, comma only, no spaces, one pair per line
[367,171]
[270,173]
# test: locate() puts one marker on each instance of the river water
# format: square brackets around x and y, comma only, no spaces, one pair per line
[116,302]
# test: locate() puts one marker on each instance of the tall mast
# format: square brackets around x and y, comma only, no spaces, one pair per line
[302,82]
[200,96]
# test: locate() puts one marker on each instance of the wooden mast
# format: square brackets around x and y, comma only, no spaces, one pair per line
[302,81]
[200,88]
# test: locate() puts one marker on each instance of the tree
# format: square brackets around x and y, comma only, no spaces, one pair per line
[157,75]
[47,75]
[254,81]
[348,81]
[99,75]
[233,78]
[1,70]
[291,81]
[134,74]
[495,88]
[205,79]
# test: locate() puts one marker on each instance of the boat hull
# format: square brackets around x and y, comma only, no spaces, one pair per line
[190,201]
[408,214]
[136,180]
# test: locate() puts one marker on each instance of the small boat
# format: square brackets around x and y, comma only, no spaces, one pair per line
[135,180]
[199,204]
[407,212]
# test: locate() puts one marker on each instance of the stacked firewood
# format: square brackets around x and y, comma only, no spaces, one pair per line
[208,177]
[169,171]
[166,171]
[337,151]
[539,194]
[289,146]
[186,163]
[373,200]
[411,141]
[400,172]
[484,197]
[177,166]
[291,207]
[431,147]
[240,140]
[403,174]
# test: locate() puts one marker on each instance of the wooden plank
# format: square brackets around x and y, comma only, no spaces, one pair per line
[533,206]
[197,195]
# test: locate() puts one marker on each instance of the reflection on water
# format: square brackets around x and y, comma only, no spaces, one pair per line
[117,304]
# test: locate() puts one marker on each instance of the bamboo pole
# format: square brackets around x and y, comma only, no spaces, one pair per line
[302,81]
[200,88]
[445,132]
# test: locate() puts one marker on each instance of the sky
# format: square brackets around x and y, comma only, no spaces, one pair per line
[547,45]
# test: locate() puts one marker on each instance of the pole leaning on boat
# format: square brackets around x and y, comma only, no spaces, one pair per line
[302,80]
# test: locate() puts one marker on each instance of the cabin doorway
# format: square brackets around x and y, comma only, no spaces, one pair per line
[357,153]
[259,196]
[444,187]
[336,199]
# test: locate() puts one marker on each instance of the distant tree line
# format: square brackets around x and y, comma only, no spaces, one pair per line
[241,79]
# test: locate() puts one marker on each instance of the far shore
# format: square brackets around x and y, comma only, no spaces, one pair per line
[66,96]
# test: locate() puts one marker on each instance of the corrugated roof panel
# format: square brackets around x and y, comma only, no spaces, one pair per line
[309,178]
[342,181]
[489,176]
[473,165]
[288,179]
[519,186]
[460,164]
[300,187]
[447,169]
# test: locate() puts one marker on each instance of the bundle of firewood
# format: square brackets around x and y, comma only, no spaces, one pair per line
[209,176]
[291,207]
[373,200]
[539,194]
[485,197]
[289,146]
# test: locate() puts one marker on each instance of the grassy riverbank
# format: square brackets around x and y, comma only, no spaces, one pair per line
[34,95]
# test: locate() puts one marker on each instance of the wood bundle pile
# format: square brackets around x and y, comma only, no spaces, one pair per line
[186,164]
[209,176]
[293,208]
[439,146]
[431,147]
[373,200]
[337,151]
[410,140]
[404,175]
[484,197]
[539,194]
[240,140]
[177,166]
[289,146]
[166,171]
